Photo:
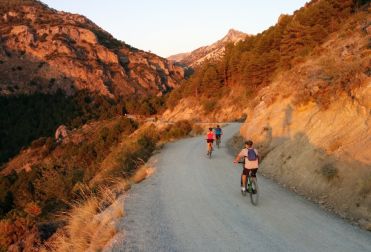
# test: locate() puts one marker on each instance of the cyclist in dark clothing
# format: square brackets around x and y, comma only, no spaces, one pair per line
[218,132]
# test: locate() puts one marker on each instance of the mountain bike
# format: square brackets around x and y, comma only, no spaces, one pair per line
[209,149]
[251,187]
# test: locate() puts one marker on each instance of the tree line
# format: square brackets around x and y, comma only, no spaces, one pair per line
[255,61]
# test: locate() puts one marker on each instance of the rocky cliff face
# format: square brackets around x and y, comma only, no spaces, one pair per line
[43,50]
[214,51]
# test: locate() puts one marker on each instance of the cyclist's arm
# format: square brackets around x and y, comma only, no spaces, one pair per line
[238,157]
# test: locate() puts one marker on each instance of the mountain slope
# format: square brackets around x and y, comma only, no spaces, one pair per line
[213,51]
[61,68]
[43,50]
[305,99]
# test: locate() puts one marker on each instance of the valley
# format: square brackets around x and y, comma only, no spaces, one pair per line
[300,89]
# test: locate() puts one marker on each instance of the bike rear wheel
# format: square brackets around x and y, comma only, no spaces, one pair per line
[218,143]
[209,152]
[254,192]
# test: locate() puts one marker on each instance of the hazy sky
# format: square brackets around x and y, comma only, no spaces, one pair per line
[167,27]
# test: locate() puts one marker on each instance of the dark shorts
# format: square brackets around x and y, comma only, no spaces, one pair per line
[218,136]
[247,171]
[210,140]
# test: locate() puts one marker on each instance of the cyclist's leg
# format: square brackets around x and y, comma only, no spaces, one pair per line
[253,174]
[245,173]
[244,180]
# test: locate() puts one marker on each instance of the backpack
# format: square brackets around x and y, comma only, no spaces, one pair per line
[251,155]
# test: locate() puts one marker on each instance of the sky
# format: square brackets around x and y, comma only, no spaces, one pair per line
[167,27]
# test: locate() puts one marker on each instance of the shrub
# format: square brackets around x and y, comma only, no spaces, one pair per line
[18,231]
[32,209]
[197,129]
[364,186]
[209,105]
[329,171]
[242,118]
[179,129]
[38,142]
[8,203]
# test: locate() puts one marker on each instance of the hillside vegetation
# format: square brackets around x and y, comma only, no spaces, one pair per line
[24,118]
[48,178]
[255,62]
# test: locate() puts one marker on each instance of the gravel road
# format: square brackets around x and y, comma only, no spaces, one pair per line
[192,203]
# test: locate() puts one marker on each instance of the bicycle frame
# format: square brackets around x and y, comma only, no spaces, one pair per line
[254,192]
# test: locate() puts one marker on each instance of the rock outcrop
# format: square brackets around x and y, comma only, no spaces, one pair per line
[43,50]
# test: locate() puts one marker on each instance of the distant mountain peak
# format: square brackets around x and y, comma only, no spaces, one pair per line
[233,33]
[233,36]
[213,51]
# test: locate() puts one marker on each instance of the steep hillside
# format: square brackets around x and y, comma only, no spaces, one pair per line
[46,178]
[60,68]
[43,50]
[319,145]
[49,178]
[307,106]
[210,52]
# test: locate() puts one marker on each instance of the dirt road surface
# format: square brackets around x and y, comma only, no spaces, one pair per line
[192,203]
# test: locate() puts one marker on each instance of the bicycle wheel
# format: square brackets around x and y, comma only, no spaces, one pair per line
[209,153]
[254,192]
[218,143]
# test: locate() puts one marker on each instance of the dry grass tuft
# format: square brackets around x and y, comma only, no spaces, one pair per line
[142,173]
[91,224]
